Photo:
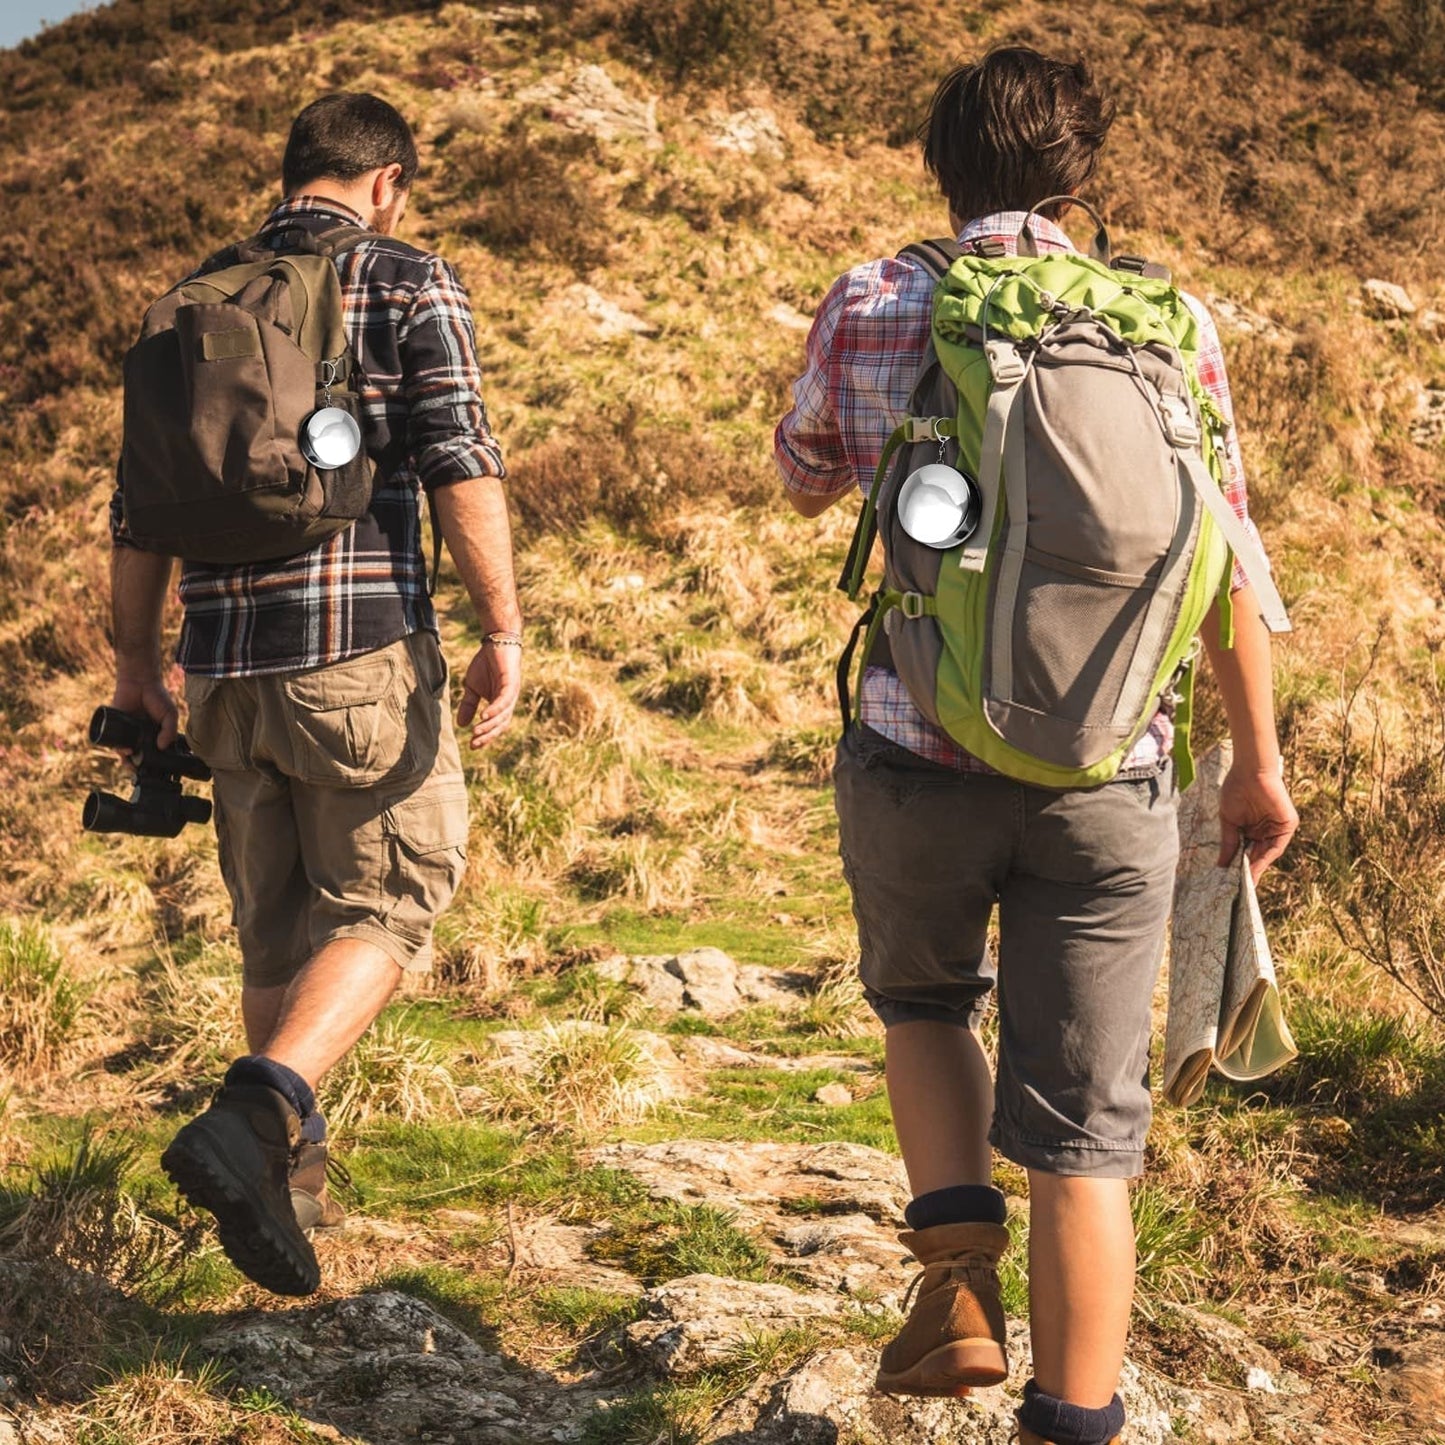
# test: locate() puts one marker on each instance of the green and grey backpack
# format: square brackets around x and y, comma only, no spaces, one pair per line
[1064,388]
[229,366]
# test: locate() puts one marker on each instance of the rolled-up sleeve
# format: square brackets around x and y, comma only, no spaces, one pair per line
[119,533]
[808,443]
[447,431]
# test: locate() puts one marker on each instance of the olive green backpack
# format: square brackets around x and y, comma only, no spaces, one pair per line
[1065,386]
[228,366]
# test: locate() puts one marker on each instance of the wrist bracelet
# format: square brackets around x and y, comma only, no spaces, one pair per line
[502,639]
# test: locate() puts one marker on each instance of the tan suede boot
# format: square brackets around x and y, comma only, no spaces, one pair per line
[954,1335]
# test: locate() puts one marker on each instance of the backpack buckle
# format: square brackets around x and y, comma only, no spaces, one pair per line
[929,428]
[911,605]
[1181,429]
[1005,364]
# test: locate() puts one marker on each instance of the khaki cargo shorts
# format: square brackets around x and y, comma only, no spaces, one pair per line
[1083,881]
[341,809]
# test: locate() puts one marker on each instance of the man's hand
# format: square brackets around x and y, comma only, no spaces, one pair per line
[492,684]
[149,698]
[1255,807]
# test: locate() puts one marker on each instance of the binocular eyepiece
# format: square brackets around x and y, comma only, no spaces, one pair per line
[158,807]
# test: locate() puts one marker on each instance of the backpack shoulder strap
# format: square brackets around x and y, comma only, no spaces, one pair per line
[295,239]
[936,255]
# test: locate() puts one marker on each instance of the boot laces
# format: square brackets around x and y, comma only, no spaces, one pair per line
[977,1267]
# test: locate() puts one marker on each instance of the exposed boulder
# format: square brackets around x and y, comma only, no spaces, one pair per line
[790,317]
[751,132]
[1409,1356]
[1427,427]
[387,1366]
[592,102]
[610,319]
[757,1179]
[701,1319]
[705,979]
[1386,301]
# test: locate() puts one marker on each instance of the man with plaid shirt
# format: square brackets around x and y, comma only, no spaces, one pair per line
[317,693]
[932,839]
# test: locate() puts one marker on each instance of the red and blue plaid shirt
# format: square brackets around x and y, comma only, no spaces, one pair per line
[425,426]
[864,352]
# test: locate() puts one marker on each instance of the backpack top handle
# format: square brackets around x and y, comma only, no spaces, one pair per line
[1098,249]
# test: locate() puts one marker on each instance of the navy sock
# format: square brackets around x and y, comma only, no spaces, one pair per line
[958,1204]
[1066,1424]
[255,1069]
[313,1127]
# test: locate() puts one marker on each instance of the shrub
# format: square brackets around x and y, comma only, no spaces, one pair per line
[40,1003]
[392,1072]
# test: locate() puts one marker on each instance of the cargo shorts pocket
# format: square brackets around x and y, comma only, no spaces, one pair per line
[348,720]
[426,837]
[211,730]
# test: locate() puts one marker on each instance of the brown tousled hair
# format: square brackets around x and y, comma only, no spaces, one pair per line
[342,136]
[1005,132]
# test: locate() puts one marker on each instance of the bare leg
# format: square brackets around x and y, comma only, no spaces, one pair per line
[1081,1285]
[941,1093]
[260,1012]
[330,1004]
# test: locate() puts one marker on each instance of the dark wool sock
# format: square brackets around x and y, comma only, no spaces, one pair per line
[958,1204]
[255,1069]
[313,1127]
[1066,1424]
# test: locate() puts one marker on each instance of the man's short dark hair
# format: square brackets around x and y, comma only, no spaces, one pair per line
[344,135]
[1005,132]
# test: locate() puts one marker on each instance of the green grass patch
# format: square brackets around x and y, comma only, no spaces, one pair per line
[40,1002]
[401,1167]
[667,1240]
[772,1104]
[583,1311]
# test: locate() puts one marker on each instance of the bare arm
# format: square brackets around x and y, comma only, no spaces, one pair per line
[1254,804]
[139,585]
[806,504]
[478,534]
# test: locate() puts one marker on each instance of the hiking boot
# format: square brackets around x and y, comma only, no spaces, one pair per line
[314,1205]
[954,1335]
[234,1160]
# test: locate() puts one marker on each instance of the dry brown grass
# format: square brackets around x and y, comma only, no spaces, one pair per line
[40,1000]
[580,1077]
[393,1072]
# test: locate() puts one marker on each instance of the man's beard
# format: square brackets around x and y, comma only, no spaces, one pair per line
[385,218]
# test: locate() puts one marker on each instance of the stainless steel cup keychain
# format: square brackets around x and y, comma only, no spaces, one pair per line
[330,437]
[937,504]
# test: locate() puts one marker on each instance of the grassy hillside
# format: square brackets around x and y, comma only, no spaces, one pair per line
[642,286]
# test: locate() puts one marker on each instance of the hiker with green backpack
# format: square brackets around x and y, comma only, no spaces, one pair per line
[1045,446]
[285,408]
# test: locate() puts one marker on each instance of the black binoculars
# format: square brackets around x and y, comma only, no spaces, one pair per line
[159,807]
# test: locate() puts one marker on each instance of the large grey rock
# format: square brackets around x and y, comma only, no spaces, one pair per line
[756,1180]
[1427,426]
[1409,1358]
[752,132]
[702,1319]
[829,1397]
[705,979]
[1386,301]
[610,319]
[592,102]
[706,1052]
[388,1367]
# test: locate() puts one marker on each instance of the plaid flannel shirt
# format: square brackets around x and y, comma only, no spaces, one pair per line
[864,351]
[425,426]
